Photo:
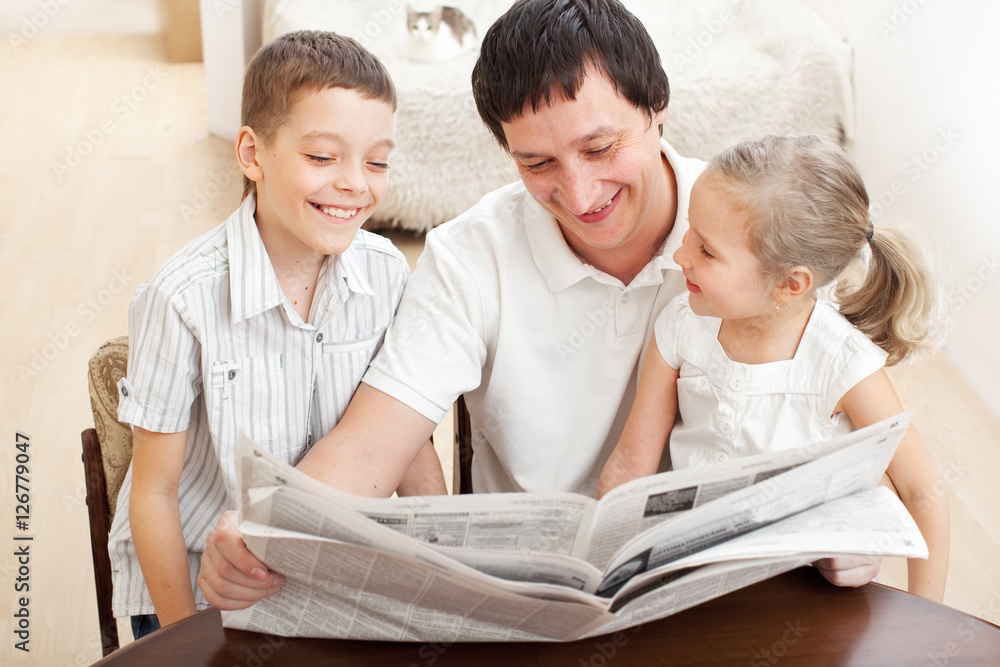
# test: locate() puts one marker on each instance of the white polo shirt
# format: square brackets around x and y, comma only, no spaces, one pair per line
[544,347]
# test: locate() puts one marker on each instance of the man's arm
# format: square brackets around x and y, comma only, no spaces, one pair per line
[370,450]
[424,476]
[366,454]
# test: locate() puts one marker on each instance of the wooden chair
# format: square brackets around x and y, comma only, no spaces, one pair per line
[107,451]
[462,475]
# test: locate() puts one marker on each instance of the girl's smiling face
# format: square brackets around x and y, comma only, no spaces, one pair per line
[724,278]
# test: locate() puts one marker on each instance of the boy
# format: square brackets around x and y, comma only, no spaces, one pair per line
[265,324]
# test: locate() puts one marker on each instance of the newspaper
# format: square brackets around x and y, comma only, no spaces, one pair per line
[558,566]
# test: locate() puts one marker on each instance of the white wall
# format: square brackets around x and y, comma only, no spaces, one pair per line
[22,17]
[927,78]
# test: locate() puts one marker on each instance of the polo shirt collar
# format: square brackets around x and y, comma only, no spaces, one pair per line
[562,268]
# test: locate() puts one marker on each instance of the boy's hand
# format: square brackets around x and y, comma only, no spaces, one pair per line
[851,571]
[231,577]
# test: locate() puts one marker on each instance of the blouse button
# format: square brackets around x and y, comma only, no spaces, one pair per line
[231,375]
[319,337]
[736,384]
[726,428]
[721,457]
[125,391]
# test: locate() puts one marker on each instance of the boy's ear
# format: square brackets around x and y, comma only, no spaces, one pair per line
[247,146]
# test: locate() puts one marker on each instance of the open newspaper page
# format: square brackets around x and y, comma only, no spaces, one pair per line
[346,576]
[514,567]
[846,471]
[872,522]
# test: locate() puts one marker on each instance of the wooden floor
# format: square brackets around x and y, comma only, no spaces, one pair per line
[107,170]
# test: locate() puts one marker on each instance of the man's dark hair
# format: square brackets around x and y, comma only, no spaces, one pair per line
[542,48]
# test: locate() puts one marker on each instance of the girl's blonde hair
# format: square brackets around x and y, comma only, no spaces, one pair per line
[806,205]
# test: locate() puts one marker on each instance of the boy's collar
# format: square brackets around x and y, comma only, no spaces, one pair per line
[248,257]
[349,266]
[253,285]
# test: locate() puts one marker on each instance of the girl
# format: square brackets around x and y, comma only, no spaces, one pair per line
[755,360]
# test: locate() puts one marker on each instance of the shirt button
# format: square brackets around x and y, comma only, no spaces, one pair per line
[726,428]
[721,457]
[625,297]
[736,384]
[125,391]
[231,375]
[319,338]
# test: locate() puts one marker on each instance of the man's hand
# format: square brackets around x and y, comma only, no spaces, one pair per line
[231,577]
[851,571]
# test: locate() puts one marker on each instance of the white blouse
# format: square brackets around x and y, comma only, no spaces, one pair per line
[728,409]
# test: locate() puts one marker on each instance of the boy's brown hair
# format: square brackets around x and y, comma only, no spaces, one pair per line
[306,61]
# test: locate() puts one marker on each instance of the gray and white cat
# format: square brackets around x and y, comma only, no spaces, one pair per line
[440,34]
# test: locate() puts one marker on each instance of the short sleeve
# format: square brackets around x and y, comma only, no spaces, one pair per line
[434,350]
[668,327]
[857,358]
[163,376]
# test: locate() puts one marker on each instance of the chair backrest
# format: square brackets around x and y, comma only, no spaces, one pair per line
[462,476]
[107,451]
[107,367]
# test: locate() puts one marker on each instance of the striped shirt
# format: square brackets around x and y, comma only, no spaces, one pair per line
[215,347]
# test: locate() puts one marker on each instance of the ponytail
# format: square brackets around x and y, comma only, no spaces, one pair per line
[895,303]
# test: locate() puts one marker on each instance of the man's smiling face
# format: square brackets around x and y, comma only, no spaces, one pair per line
[595,164]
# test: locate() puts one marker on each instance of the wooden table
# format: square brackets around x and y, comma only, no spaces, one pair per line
[794,619]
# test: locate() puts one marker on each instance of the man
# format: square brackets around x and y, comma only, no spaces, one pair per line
[538,302]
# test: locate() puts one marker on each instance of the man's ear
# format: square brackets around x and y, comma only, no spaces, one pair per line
[660,119]
[247,147]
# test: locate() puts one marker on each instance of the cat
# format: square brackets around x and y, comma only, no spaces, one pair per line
[440,34]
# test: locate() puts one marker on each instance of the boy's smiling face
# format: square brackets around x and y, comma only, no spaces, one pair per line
[322,174]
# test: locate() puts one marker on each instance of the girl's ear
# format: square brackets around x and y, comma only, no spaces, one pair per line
[247,145]
[798,281]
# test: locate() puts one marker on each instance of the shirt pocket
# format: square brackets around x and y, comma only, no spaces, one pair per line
[248,395]
[346,363]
